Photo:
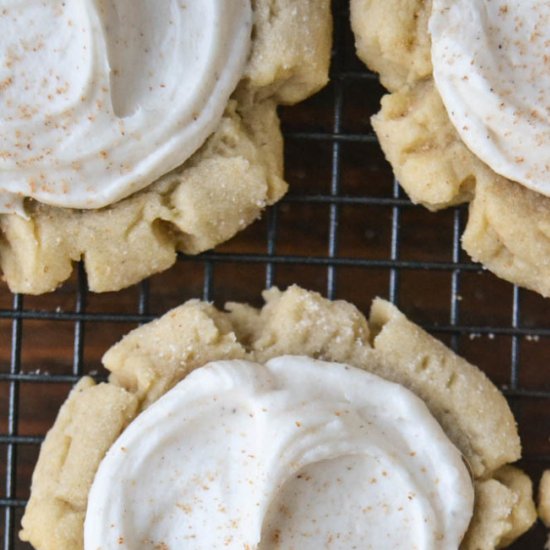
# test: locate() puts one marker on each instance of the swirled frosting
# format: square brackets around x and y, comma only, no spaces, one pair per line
[99,98]
[296,453]
[491,64]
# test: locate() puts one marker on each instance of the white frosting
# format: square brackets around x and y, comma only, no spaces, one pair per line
[298,453]
[99,98]
[491,64]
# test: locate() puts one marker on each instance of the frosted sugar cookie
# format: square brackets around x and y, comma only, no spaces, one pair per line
[239,418]
[467,118]
[132,131]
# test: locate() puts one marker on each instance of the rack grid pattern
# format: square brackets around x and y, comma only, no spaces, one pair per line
[13,375]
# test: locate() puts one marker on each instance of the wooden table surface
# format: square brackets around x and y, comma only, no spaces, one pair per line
[336,172]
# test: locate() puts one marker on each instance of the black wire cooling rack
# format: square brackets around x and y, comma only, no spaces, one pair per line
[346,230]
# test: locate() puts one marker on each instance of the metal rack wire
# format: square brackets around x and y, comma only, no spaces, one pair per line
[521,330]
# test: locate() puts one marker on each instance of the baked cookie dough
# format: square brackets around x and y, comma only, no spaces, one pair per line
[220,190]
[509,225]
[155,357]
[544,498]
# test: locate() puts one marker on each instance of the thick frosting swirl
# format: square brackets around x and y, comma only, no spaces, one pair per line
[99,98]
[296,453]
[492,68]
